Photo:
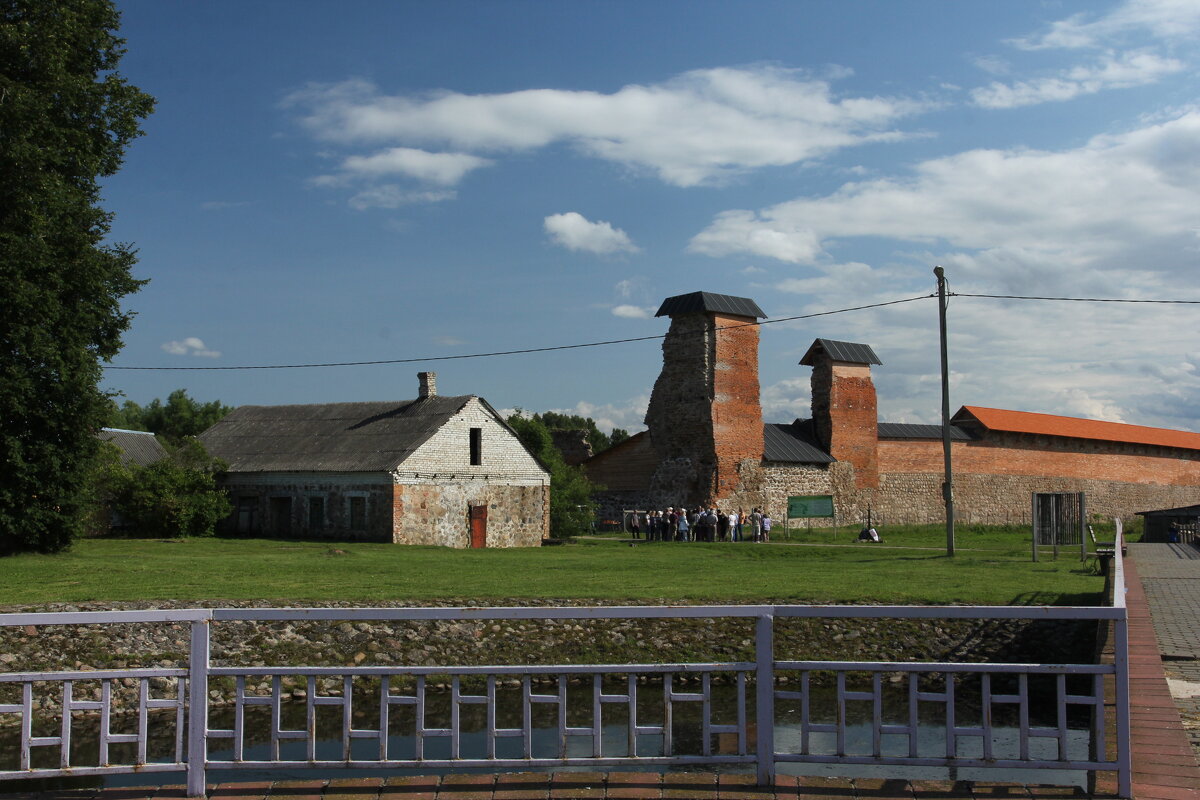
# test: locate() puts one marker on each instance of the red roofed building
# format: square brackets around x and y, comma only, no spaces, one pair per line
[707,443]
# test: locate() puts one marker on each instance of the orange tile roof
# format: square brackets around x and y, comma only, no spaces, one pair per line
[1050,425]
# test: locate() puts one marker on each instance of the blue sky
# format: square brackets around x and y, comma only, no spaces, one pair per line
[380,180]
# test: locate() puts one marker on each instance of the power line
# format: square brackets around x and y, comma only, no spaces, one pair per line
[1076,299]
[608,342]
[517,352]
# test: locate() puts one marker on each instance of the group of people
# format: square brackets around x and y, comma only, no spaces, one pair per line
[700,525]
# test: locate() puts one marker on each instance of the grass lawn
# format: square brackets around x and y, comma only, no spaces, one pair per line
[992,566]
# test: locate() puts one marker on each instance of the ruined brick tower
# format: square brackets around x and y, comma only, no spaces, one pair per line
[844,409]
[705,417]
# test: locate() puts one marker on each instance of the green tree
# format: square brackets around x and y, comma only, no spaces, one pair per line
[181,416]
[66,118]
[571,504]
[598,439]
[176,496]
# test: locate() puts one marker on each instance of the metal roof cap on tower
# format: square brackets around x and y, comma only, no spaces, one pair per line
[707,301]
[841,351]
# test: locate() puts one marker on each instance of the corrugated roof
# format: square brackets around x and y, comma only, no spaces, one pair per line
[1072,427]
[707,301]
[851,352]
[794,443]
[331,437]
[137,447]
[905,430]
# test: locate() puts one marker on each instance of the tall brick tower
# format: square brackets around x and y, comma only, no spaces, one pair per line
[844,409]
[704,416]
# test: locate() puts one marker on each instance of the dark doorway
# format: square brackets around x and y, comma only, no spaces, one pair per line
[479,526]
[281,516]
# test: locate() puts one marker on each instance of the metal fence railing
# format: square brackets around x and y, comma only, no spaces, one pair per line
[769,714]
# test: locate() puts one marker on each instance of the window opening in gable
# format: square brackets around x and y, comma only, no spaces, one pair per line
[476,447]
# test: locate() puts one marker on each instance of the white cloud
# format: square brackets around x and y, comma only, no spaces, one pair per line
[1114,201]
[392,196]
[633,312]
[1165,19]
[1114,72]
[699,127]
[575,232]
[445,169]
[630,415]
[190,346]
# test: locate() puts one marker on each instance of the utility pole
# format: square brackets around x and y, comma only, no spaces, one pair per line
[947,484]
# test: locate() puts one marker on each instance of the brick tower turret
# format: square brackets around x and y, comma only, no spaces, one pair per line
[844,409]
[704,416]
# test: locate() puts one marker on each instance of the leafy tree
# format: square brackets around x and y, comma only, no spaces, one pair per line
[181,416]
[66,117]
[571,504]
[176,496]
[599,440]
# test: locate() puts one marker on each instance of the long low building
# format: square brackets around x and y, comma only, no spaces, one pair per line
[435,470]
[706,442]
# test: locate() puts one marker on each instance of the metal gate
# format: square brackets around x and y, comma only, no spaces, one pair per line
[1059,519]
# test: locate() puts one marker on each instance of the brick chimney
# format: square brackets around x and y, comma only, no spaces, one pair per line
[704,416]
[844,408]
[428,381]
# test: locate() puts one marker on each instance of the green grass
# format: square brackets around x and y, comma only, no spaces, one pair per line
[992,566]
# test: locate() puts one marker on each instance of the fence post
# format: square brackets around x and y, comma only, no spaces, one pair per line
[198,707]
[764,713]
[1121,661]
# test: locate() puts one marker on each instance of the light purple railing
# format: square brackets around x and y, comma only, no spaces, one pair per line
[190,714]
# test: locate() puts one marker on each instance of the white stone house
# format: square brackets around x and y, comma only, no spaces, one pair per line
[435,470]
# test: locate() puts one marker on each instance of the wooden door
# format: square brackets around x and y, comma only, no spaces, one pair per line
[479,526]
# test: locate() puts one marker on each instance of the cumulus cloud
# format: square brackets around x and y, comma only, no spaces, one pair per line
[445,169]
[575,232]
[190,346]
[633,312]
[699,127]
[629,415]
[1121,71]
[1116,197]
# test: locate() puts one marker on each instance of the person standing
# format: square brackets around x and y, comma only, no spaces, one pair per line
[756,524]
[735,525]
[722,525]
[766,527]
[635,525]
[683,526]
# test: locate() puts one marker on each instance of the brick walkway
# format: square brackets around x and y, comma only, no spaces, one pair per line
[1164,763]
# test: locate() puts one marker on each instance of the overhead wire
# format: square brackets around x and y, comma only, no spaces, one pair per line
[608,342]
[514,352]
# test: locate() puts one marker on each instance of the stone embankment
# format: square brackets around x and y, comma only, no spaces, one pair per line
[497,642]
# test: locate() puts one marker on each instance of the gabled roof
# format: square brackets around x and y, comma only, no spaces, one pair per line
[137,447]
[795,444]
[851,352]
[707,301]
[906,430]
[1072,427]
[330,437]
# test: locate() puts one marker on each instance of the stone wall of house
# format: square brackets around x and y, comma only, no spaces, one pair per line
[310,505]
[435,512]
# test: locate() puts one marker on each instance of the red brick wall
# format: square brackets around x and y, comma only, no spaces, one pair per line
[1015,455]
[736,409]
[847,416]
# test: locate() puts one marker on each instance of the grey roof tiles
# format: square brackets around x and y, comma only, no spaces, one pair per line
[707,301]
[850,352]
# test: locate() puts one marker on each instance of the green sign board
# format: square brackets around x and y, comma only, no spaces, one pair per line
[815,505]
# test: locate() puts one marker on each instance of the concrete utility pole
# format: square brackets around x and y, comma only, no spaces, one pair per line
[947,484]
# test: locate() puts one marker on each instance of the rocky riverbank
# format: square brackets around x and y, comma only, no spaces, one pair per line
[487,642]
